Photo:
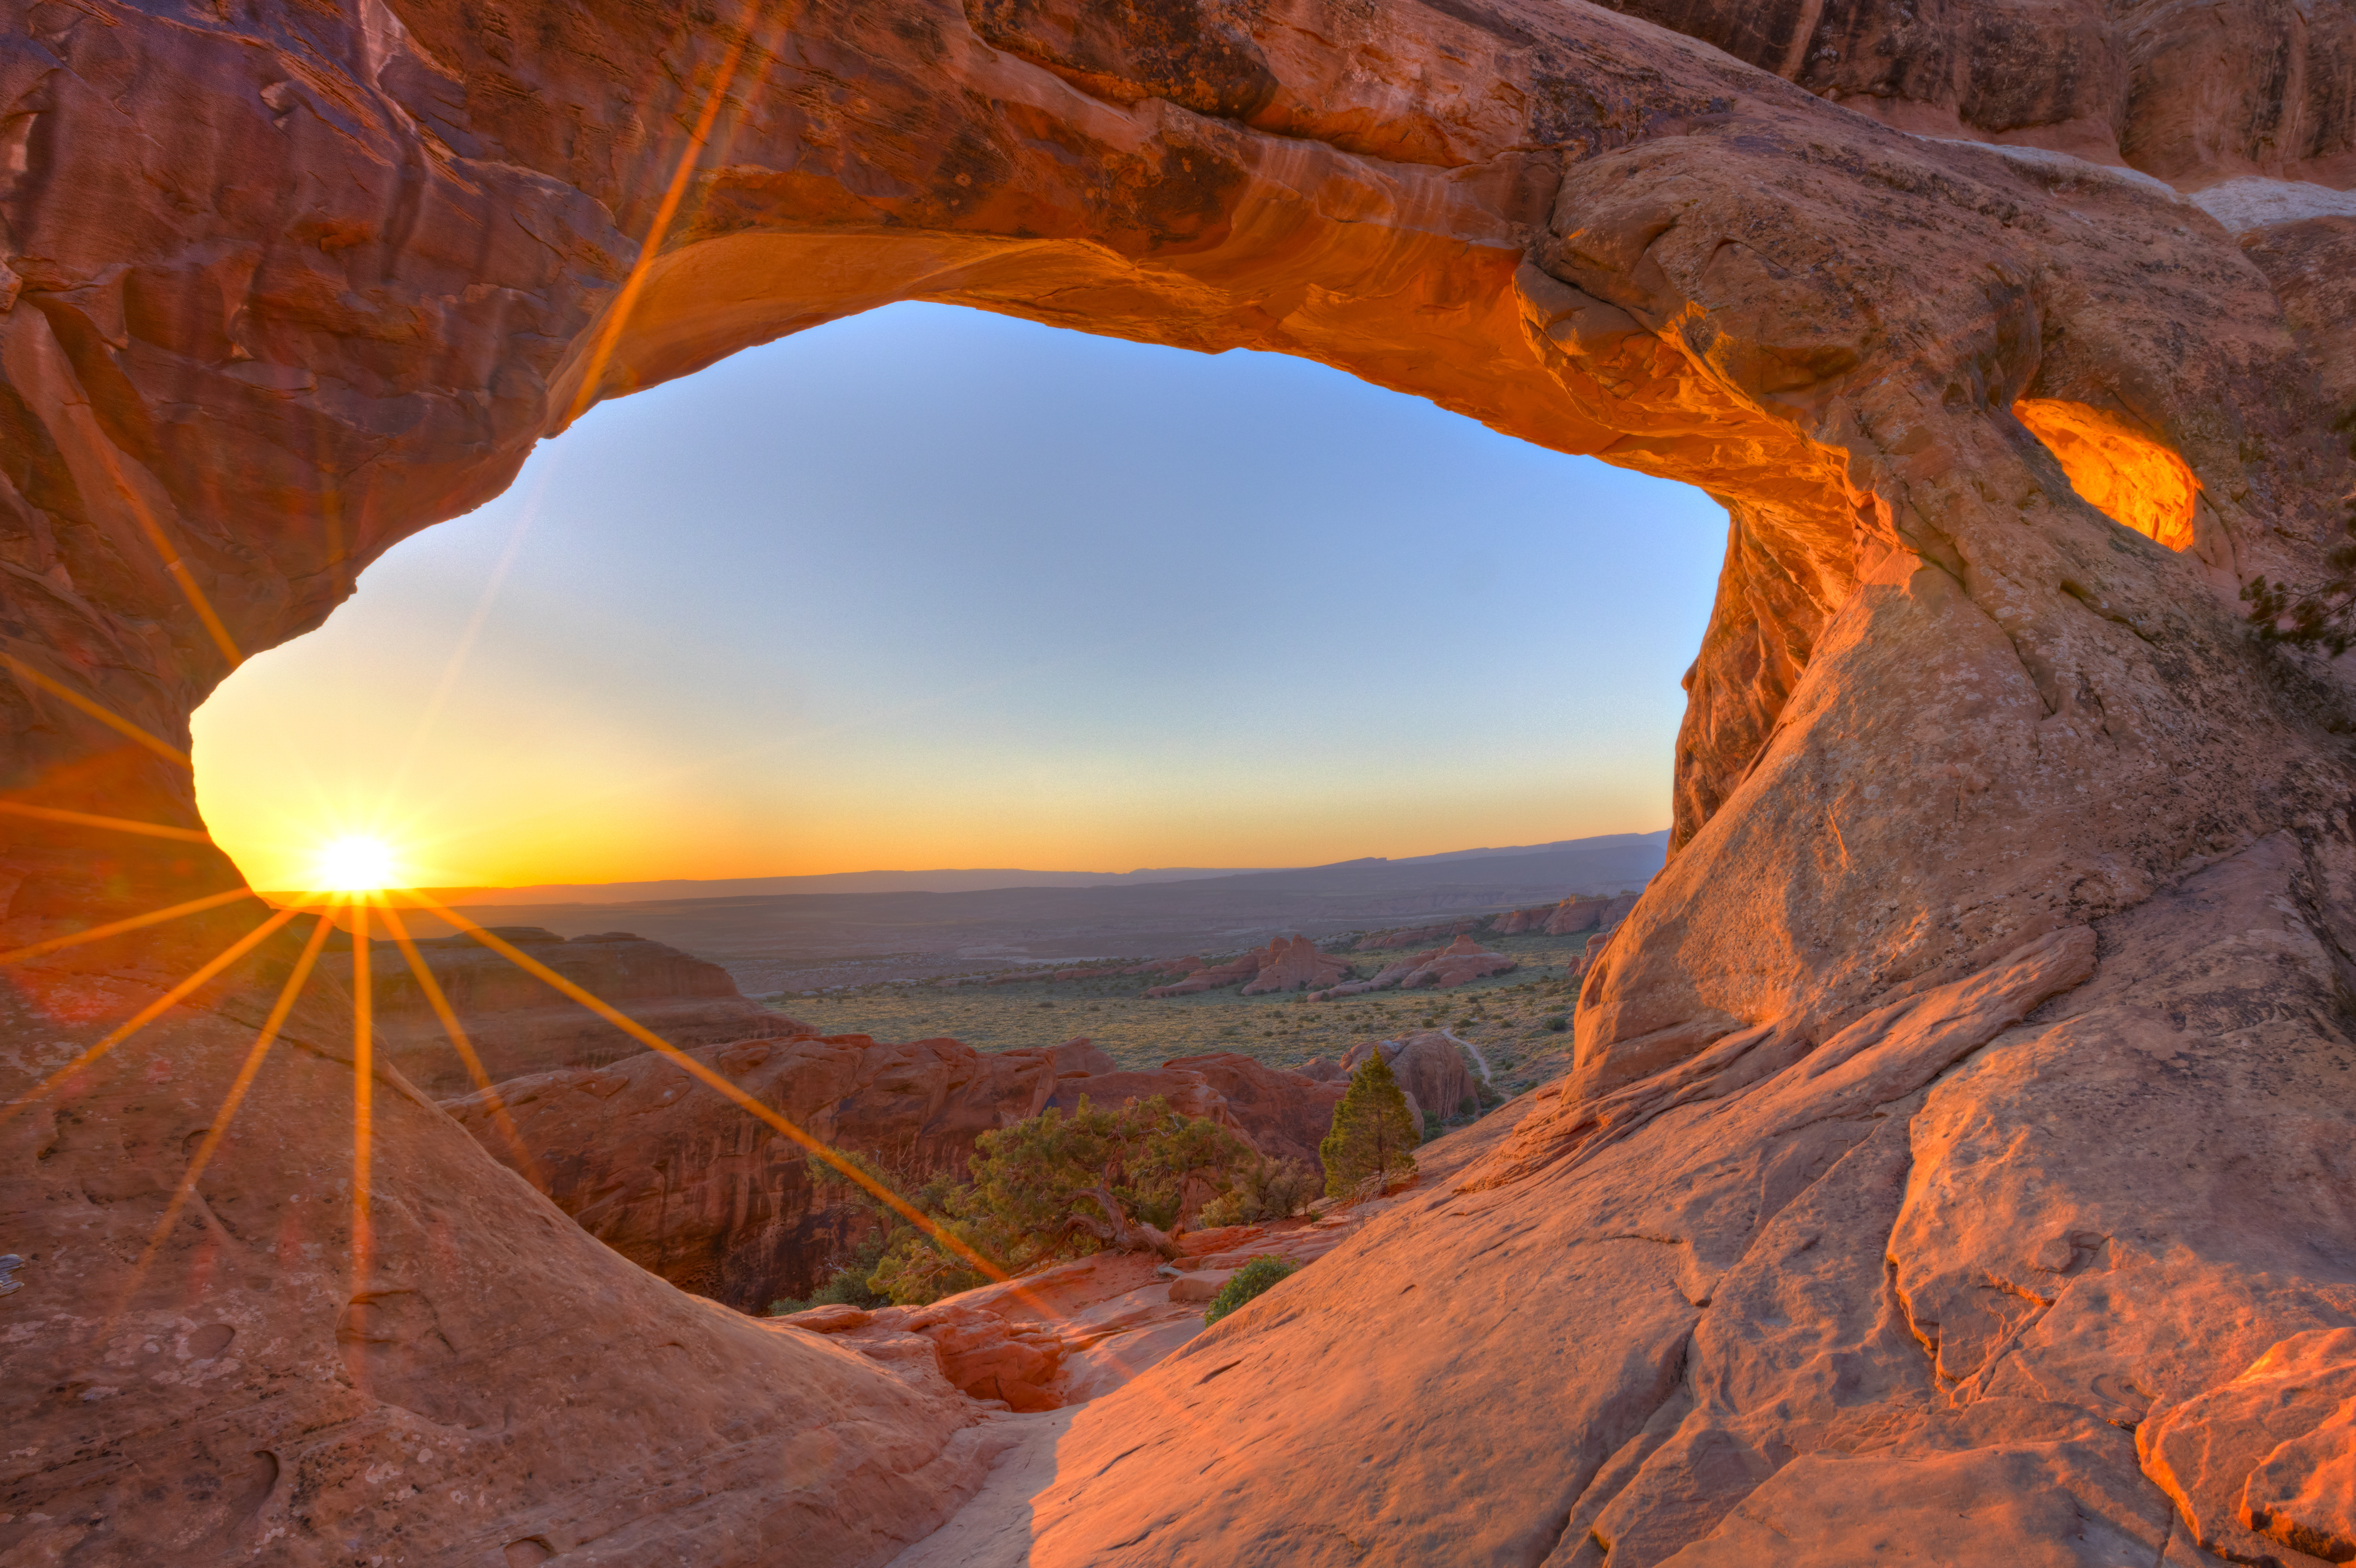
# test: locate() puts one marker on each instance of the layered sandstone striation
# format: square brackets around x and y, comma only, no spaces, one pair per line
[517,1023]
[1967,1094]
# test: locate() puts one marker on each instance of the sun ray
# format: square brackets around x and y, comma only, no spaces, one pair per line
[153,527]
[619,316]
[736,1095]
[99,712]
[152,1011]
[111,824]
[246,1072]
[718,1081]
[457,1033]
[363,1099]
[154,917]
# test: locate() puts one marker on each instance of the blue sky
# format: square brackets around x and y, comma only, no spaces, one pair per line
[936,588]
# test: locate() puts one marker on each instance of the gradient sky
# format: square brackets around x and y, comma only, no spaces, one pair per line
[934,588]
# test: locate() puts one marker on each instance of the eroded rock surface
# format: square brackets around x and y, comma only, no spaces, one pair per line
[1824,1251]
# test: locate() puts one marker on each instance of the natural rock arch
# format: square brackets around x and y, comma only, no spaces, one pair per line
[1946,717]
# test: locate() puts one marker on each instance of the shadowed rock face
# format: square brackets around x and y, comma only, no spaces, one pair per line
[1867,1220]
[689,1188]
[517,1024]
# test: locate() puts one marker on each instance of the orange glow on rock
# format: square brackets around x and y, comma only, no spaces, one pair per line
[2116,467]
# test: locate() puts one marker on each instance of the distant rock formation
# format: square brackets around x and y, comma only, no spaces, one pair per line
[519,1024]
[1295,965]
[1565,917]
[1286,963]
[1388,941]
[1574,915]
[1462,960]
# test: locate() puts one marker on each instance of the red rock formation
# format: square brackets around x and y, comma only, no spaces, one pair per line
[1207,976]
[685,1185]
[1286,1114]
[1295,965]
[1383,941]
[689,1188]
[1286,963]
[2268,1460]
[1513,923]
[1575,914]
[516,1024]
[1429,1065]
[1919,1219]
[1462,960]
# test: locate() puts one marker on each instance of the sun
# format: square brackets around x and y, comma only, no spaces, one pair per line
[355,863]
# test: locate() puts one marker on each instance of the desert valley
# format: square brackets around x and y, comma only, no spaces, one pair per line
[1931,1146]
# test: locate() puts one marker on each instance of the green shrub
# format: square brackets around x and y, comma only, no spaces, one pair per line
[1263,1190]
[1058,1185]
[1253,1279]
[1468,1107]
[1372,1135]
[1558,1023]
[1430,1126]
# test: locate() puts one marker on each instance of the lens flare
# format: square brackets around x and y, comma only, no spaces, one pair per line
[356,863]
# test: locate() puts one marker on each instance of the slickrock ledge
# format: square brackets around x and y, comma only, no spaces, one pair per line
[1970,1091]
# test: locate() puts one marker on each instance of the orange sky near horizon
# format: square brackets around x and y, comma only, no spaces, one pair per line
[931,589]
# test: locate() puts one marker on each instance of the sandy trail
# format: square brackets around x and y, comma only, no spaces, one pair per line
[1478,1060]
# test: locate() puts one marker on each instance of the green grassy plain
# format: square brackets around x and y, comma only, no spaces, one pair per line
[1504,1015]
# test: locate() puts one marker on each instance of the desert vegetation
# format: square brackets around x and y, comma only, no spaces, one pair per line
[1507,1016]
[1053,1186]
[1251,1281]
[1372,1143]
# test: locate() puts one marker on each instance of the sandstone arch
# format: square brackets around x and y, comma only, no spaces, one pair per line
[286,283]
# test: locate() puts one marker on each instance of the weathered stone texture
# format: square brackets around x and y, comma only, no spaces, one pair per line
[1821,1251]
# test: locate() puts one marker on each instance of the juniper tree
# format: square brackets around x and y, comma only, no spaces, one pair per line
[1373,1133]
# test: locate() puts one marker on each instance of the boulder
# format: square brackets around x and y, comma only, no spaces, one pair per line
[1430,1066]
[2267,1461]
[519,1024]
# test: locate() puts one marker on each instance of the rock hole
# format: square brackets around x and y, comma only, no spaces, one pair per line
[208,1342]
[531,1550]
[2116,467]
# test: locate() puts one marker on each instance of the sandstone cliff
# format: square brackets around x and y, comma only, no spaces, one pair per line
[1966,1094]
